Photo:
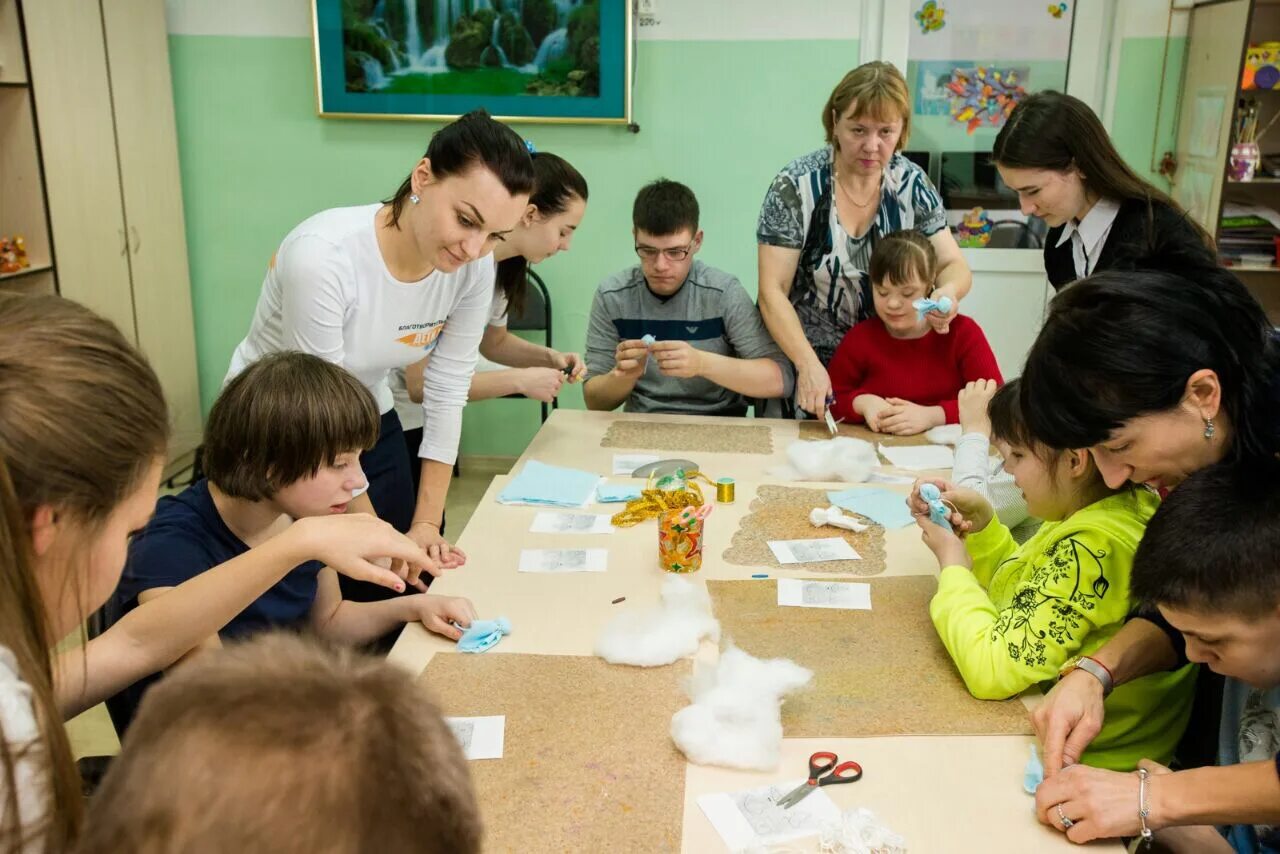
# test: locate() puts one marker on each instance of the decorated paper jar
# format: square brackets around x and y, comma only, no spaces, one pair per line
[680,540]
[1244,161]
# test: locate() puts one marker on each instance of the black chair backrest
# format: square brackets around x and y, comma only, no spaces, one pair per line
[1012,234]
[535,314]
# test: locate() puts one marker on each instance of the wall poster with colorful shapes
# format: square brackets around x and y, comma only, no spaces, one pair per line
[969,64]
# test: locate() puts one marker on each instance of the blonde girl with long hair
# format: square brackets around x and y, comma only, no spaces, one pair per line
[83,429]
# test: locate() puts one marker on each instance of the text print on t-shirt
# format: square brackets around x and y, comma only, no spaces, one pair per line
[421,335]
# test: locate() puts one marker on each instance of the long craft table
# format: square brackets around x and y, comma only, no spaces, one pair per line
[571,437]
[941,793]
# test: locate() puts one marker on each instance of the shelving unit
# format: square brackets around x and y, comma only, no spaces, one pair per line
[1218,38]
[1264,281]
[89,168]
[23,206]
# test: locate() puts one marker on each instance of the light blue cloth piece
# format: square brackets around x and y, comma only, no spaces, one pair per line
[611,493]
[941,305]
[938,511]
[879,505]
[1033,774]
[483,634]
[550,486]
[648,340]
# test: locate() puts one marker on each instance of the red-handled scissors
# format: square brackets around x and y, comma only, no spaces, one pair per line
[825,769]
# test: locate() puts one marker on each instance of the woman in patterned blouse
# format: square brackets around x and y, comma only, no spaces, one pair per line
[824,213]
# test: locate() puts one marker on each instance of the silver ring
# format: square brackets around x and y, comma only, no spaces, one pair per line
[1066,822]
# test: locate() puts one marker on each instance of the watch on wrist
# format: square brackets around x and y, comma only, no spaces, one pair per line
[1094,668]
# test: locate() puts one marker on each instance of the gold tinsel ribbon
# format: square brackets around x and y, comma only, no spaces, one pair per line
[653,502]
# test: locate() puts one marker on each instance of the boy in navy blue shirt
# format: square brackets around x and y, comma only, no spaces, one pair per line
[281,451]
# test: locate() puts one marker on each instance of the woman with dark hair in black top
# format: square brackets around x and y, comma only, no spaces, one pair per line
[1159,374]
[1054,152]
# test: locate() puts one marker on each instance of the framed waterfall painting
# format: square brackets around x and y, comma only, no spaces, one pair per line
[522,60]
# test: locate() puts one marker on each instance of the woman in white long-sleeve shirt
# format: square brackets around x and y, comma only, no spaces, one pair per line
[377,287]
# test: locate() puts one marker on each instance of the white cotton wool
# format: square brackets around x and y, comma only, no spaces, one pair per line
[842,458]
[656,636]
[946,434]
[735,720]
[860,832]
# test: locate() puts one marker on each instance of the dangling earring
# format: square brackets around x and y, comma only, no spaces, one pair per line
[1209,430]
[413,197]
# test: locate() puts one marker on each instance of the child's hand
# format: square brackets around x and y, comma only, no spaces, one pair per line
[678,359]
[871,407]
[946,545]
[904,418]
[439,613]
[971,513]
[974,399]
[630,358]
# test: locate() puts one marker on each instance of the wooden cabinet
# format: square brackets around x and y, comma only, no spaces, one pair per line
[1212,99]
[22,201]
[103,98]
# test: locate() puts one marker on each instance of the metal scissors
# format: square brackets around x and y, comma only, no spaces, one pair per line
[823,771]
[831,422]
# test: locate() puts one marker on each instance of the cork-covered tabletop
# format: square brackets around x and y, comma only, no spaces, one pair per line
[930,788]
[741,448]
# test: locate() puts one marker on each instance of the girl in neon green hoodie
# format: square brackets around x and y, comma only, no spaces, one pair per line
[1012,617]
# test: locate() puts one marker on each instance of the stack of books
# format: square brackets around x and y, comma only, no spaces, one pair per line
[1247,236]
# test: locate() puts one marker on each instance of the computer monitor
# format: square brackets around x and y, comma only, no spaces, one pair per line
[969,179]
[923,159]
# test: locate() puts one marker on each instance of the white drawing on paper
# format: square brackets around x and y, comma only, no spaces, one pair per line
[759,807]
[464,729]
[828,593]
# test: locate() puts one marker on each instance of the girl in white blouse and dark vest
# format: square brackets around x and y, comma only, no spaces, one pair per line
[1054,152]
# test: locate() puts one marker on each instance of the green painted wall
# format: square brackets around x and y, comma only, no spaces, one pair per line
[1134,130]
[720,116]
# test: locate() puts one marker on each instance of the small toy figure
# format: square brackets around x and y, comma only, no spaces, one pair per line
[974,231]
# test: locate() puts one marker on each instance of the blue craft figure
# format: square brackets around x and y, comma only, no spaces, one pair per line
[938,510]
[483,634]
[942,306]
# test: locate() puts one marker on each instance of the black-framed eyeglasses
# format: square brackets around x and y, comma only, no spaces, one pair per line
[673,253]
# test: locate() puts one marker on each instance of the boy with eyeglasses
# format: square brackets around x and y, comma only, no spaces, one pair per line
[673,334]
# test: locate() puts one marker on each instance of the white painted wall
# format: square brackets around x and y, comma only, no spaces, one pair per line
[239,17]
[683,20]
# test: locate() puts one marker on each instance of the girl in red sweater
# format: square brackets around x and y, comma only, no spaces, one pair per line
[892,371]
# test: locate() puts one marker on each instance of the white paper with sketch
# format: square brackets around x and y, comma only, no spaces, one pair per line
[481,738]
[850,595]
[753,818]
[547,522]
[812,551]
[627,463]
[564,560]
[919,457]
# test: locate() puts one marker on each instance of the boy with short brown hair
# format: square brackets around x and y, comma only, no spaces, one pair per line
[282,745]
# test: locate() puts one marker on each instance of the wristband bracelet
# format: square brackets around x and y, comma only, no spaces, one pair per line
[1144,805]
[1094,668]
[435,525]
[1110,681]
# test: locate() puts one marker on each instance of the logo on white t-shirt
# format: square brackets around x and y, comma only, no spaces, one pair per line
[424,337]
